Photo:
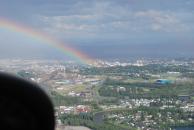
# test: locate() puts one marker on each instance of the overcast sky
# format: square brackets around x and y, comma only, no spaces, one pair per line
[103,28]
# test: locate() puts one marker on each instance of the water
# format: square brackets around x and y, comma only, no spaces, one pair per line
[185,128]
[99,117]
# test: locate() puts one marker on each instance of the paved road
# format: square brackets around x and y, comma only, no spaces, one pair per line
[73,128]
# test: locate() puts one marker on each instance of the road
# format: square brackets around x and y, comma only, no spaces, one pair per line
[72,128]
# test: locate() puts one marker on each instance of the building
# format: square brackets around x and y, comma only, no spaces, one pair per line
[83,109]
[163,81]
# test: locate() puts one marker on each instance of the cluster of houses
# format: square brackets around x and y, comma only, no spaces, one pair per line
[73,109]
[84,94]
[188,107]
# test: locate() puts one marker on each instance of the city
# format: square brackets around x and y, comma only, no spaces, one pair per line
[104,64]
[142,94]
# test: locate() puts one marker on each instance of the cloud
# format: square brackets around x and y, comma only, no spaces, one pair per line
[105,19]
[162,21]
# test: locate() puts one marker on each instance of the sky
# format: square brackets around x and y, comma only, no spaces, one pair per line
[102,28]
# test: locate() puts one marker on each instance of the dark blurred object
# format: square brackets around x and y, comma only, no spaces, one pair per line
[24,106]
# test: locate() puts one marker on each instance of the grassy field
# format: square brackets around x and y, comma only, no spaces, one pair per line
[75,88]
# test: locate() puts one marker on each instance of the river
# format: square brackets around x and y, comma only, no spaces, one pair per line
[99,117]
[184,128]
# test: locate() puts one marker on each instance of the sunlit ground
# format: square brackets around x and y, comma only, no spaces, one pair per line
[71,128]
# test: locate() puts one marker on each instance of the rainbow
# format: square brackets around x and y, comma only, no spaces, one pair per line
[47,39]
